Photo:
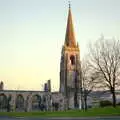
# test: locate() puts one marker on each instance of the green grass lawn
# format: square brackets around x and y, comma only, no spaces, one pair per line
[108,111]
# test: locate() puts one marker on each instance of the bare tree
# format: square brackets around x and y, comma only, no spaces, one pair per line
[105,64]
[88,82]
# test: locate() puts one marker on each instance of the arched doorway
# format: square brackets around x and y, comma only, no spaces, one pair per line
[36,102]
[3,102]
[19,103]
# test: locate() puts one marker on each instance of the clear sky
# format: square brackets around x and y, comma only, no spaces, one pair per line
[32,33]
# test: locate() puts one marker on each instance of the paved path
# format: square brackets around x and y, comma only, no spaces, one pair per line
[81,118]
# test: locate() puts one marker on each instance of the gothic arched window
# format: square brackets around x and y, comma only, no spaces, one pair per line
[3,102]
[19,102]
[72,59]
[36,102]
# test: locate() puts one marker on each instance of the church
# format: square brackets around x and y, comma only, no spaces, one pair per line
[70,91]
[68,96]
[70,73]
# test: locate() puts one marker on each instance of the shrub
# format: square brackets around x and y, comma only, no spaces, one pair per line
[105,103]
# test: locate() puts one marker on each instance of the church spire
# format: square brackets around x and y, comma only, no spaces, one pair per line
[70,37]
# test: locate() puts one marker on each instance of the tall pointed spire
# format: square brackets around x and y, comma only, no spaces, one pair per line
[70,37]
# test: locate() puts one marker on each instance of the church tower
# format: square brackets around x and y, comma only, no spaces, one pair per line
[70,66]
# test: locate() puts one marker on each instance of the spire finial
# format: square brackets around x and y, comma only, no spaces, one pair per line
[69,4]
[70,37]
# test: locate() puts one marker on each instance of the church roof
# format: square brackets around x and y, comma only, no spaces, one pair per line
[70,36]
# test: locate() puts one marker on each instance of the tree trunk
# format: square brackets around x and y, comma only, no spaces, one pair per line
[114,98]
[85,101]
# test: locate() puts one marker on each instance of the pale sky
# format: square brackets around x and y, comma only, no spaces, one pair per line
[32,33]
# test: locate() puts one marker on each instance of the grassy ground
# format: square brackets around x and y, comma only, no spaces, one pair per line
[108,111]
